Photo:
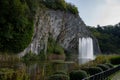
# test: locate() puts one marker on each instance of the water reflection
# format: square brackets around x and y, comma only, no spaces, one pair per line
[39,70]
[83,60]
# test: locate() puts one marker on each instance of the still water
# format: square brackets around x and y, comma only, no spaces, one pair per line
[39,70]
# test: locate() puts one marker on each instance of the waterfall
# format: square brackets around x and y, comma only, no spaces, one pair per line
[85,49]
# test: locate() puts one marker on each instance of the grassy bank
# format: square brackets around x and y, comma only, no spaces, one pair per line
[9,58]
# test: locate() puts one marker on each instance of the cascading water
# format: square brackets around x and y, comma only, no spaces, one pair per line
[85,50]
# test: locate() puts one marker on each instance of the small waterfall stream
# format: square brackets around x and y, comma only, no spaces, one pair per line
[85,50]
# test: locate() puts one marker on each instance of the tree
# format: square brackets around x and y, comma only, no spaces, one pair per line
[16,27]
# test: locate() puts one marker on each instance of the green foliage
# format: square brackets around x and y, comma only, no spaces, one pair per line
[110,65]
[9,58]
[78,75]
[6,74]
[108,38]
[16,26]
[33,57]
[55,4]
[72,8]
[54,47]
[16,20]
[103,67]
[61,72]
[60,5]
[100,59]
[59,77]
[115,60]
[10,74]
[58,49]
[30,57]
[33,5]
[93,70]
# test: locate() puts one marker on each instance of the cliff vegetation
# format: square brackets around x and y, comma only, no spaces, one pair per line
[17,20]
[108,38]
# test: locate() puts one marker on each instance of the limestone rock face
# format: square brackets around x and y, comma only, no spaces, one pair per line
[66,28]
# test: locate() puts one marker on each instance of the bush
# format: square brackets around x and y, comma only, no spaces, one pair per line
[60,5]
[78,75]
[110,65]
[30,57]
[115,60]
[58,49]
[93,70]
[54,47]
[16,29]
[72,8]
[6,74]
[61,72]
[10,74]
[59,77]
[55,4]
[103,67]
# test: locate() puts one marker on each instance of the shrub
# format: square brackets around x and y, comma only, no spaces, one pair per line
[6,74]
[110,65]
[72,8]
[16,29]
[54,47]
[115,60]
[103,67]
[61,72]
[60,5]
[30,57]
[58,49]
[58,77]
[78,75]
[55,4]
[10,74]
[93,70]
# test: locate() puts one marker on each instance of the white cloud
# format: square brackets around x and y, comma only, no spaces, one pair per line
[103,12]
[110,14]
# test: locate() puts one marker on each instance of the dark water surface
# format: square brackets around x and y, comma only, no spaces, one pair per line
[40,70]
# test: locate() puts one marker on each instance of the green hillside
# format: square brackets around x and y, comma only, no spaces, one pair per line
[108,37]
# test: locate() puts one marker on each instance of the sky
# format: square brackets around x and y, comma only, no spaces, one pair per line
[98,12]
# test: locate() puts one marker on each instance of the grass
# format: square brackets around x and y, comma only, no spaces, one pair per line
[115,76]
[9,58]
[100,59]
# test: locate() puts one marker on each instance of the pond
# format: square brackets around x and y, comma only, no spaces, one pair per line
[37,70]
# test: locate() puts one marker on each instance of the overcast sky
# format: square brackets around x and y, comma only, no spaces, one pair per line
[102,12]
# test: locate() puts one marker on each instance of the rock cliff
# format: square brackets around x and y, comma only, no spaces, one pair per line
[65,27]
